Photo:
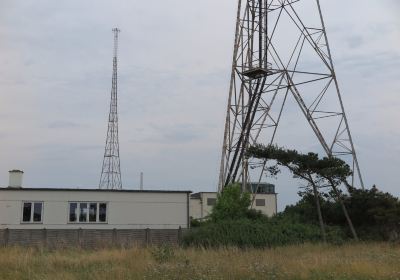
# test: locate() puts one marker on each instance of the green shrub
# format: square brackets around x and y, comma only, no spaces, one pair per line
[375,214]
[258,234]
[232,223]
[231,203]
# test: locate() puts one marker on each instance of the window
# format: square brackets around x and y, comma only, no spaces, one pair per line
[93,212]
[102,212]
[37,212]
[87,212]
[26,216]
[83,212]
[32,212]
[73,212]
[211,201]
[260,202]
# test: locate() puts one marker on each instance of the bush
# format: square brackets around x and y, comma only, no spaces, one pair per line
[232,223]
[257,234]
[232,203]
[375,214]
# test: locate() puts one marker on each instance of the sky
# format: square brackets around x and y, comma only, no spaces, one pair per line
[174,69]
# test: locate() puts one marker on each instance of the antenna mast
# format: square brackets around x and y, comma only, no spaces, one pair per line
[281,49]
[111,171]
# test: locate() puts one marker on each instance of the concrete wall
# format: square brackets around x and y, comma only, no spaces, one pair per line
[205,208]
[199,208]
[270,207]
[89,238]
[195,208]
[126,210]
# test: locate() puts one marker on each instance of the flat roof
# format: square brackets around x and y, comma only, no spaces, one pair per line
[197,195]
[91,190]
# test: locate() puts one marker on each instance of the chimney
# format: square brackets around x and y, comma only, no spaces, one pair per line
[15,178]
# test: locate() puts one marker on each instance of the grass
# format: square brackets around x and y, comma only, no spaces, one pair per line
[350,261]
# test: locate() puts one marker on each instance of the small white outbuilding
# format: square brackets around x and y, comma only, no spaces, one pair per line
[54,208]
[264,199]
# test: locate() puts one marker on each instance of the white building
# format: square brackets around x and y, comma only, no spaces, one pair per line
[38,208]
[264,200]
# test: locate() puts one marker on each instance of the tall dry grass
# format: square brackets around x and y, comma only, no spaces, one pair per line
[356,261]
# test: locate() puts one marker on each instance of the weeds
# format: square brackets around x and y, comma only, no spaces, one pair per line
[162,254]
[307,261]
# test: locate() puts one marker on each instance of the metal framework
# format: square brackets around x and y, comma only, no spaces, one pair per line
[111,172]
[281,49]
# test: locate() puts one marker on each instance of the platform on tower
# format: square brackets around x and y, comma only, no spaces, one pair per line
[257,72]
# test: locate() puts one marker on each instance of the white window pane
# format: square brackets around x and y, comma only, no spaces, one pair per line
[83,212]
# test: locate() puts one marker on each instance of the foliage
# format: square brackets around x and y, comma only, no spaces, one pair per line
[318,173]
[373,207]
[232,223]
[246,233]
[195,222]
[328,170]
[375,214]
[231,203]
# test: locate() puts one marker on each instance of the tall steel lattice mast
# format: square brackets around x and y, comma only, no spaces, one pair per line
[111,171]
[281,49]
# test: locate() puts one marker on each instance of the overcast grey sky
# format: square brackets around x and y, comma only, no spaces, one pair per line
[174,69]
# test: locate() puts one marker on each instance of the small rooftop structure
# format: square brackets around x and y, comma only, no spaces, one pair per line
[264,199]
[261,188]
[15,178]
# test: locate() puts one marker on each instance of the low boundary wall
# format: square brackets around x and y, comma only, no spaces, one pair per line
[90,238]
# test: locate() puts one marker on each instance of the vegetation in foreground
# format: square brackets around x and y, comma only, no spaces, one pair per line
[325,212]
[350,261]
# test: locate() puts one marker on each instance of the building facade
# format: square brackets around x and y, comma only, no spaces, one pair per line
[264,199]
[38,208]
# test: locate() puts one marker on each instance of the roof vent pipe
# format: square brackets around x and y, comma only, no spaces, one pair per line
[15,178]
[141,181]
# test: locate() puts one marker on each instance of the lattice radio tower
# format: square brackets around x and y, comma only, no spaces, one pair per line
[281,49]
[111,171]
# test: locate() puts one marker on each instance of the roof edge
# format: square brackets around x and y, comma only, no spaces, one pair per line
[93,190]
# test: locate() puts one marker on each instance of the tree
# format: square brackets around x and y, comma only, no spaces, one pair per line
[336,172]
[375,214]
[231,204]
[374,210]
[314,171]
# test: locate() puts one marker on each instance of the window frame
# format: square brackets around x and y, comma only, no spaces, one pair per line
[31,220]
[209,199]
[78,209]
[261,199]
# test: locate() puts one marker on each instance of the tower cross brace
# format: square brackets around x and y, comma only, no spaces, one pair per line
[279,51]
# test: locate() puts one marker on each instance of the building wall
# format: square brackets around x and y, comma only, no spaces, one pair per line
[126,210]
[206,209]
[195,208]
[199,208]
[270,207]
